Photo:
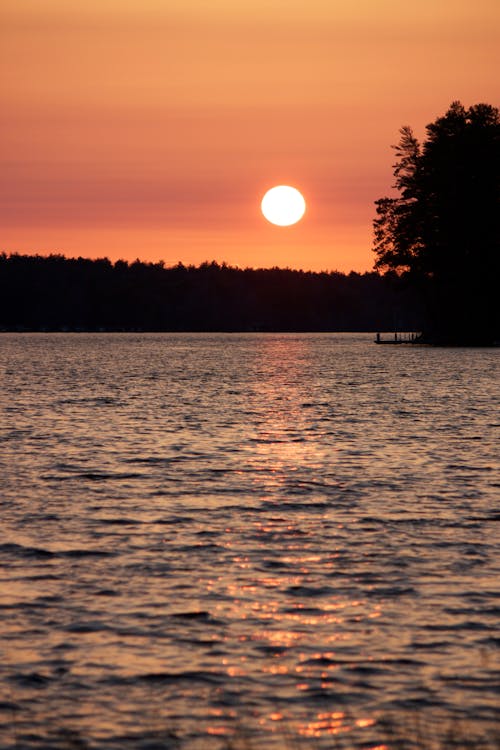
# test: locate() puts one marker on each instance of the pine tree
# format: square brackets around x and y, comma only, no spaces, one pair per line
[442,230]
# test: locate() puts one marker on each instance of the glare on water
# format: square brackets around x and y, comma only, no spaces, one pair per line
[294,534]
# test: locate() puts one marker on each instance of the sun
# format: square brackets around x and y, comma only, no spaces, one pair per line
[283,205]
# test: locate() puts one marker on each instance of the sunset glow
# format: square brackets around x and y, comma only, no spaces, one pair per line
[153,129]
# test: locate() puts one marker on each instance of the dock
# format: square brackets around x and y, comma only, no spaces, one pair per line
[399,338]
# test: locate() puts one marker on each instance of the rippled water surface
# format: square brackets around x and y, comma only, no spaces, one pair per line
[286,536]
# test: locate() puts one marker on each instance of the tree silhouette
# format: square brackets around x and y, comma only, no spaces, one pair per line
[443,229]
[58,293]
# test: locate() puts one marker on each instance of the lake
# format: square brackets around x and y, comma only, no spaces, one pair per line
[281,537]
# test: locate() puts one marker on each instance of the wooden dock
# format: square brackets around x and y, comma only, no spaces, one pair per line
[399,338]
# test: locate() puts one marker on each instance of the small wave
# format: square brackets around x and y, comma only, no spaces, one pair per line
[467,625]
[86,627]
[366,669]
[30,679]
[406,661]
[198,616]
[77,553]
[173,521]
[22,551]
[390,591]
[94,400]
[416,704]
[92,476]
[309,591]
[494,611]
[14,434]
[272,650]
[164,678]
[492,641]
[471,683]
[466,467]
[314,404]
[491,517]
[26,552]
[321,661]
[303,611]
[267,441]
[151,460]
[211,678]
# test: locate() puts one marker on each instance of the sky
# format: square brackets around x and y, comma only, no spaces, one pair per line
[151,129]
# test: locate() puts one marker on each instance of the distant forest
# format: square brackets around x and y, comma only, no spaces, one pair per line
[56,293]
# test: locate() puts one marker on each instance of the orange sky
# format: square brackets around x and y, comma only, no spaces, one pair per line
[152,128]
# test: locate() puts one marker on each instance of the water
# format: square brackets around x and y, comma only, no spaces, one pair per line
[281,536]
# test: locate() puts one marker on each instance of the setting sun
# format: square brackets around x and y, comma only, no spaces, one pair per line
[283,205]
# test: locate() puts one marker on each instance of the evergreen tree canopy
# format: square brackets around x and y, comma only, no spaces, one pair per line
[57,293]
[443,228]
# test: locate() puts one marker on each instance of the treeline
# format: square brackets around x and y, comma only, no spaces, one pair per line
[59,293]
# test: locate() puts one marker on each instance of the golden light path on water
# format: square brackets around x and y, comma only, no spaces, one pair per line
[282,631]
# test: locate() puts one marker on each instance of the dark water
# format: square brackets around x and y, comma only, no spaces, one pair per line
[286,536]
